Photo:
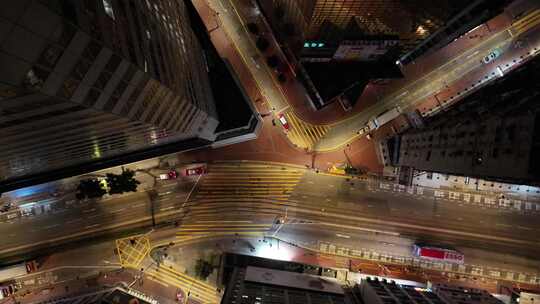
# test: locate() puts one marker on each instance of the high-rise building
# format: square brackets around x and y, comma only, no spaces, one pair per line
[409,21]
[82,81]
[255,285]
[376,291]
[493,134]
[458,294]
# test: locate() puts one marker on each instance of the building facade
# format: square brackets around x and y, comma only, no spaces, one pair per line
[412,21]
[86,80]
[492,134]
[255,285]
[462,295]
[375,291]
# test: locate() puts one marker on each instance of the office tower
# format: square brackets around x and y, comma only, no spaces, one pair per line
[492,134]
[411,22]
[252,285]
[88,80]
[458,294]
[377,291]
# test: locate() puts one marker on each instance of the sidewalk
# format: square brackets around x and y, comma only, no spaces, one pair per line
[271,145]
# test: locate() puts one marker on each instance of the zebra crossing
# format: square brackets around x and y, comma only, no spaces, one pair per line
[304,135]
[199,230]
[248,182]
[526,23]
[196,289]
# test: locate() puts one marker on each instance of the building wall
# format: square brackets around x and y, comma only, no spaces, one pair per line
[386,292]
[497,147]
[83,80]
[464,295]
[412,20]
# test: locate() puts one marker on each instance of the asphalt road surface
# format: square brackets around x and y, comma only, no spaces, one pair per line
[262,193]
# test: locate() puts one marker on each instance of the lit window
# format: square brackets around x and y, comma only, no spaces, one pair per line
[108,8]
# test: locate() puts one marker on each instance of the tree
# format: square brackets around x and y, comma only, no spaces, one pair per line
[262,44]
[124,182]
[253,28]
[273,61]
[203,269]
[90,188]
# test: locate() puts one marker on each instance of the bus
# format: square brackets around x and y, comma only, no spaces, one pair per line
[438,253]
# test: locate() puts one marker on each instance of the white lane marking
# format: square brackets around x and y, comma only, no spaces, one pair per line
[137,205]
[343,236]
[118,210]
[524,228]
[91,226]
[51,226]
[93,216]
[166,208]
[503,225]
[89,210]
[471,55]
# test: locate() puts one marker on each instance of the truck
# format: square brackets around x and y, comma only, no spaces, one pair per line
[10,273]
[386,116]
[437,253]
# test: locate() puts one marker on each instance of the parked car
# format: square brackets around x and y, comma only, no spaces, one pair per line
[172,174]
[196,171]
[494,54]
[284,121]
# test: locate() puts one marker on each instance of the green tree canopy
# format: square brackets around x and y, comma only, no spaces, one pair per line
[124,182]
[90,188]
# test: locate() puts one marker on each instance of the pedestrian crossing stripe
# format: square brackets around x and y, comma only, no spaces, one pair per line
[235,229]
[303,134]
[245,180]
[527,22]
[197,289]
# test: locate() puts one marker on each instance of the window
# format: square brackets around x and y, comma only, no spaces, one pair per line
[50,56]
[91,97]
[108,8]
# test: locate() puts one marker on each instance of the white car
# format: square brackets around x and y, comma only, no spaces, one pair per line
[494,54]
